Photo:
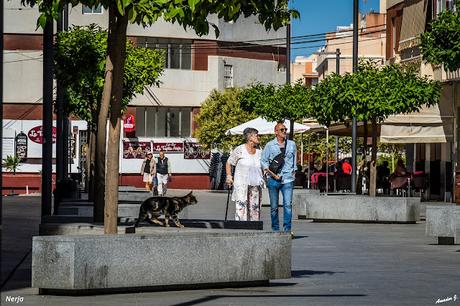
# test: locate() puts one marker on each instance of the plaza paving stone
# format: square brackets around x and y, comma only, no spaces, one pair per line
[332,264]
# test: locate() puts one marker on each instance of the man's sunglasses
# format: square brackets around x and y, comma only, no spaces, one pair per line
[282,130]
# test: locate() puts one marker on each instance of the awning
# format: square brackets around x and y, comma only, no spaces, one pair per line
[390,133]
[428,125]
[265,127]
[413,23]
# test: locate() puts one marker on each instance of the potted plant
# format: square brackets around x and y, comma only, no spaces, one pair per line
[11,163]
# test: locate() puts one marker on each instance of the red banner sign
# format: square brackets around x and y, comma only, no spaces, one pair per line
[129,124]
[135,149]
[168,146]
[194,150]
[36,134]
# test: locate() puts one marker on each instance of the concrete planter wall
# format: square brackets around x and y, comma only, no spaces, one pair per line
[98,262]
[350,208]
[443,221]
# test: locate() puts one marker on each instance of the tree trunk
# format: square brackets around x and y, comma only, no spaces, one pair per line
[373,164]
[103,113]
[90,161]
[366,134]
[117,53]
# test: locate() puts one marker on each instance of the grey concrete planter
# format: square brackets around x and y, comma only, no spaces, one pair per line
[443,222]
[357,208]
[92,263]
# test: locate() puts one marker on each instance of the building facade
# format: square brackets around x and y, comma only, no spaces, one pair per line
[303,69]
[163,117]
[372,39]
[437,154]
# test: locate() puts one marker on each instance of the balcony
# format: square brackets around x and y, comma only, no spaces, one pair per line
[453,75]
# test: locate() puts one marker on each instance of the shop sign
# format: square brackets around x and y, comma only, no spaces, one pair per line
[168,146]
[129,124]
[193,150]
[21,145]
[136,149]
[36,134]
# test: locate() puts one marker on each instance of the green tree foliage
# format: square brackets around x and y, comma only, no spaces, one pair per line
[441,43]
[221,111]
[11,163]
[188,13]
[277,103]
[80,65]
[372,94]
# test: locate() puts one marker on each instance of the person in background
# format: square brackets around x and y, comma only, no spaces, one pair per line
[148,171]
[282,181]
[383,170]
[383,175]
[163,173]
[339,168]
[248,180]
[400,169]
[346,166]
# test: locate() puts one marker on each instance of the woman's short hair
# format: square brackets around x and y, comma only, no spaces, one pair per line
[248,132]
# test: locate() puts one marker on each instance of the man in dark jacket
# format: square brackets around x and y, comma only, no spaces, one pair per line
[163,173]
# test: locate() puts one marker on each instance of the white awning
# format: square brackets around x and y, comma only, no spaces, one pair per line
[412,134]
[428,125]
[265,127]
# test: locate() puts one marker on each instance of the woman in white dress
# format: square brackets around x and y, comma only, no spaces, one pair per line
[248,180]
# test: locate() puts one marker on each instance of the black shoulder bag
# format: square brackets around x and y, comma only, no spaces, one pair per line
[277,163]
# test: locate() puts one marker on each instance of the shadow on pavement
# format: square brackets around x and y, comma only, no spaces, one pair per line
[299,237]
[302,273]
[215,297]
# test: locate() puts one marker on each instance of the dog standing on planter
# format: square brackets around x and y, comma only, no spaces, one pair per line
[154,207]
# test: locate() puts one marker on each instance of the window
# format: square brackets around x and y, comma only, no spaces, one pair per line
[178,52]
[228,76]
[92,10]
[442,5]
[163,122]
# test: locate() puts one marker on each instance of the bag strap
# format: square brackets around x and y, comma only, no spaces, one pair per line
[285,147]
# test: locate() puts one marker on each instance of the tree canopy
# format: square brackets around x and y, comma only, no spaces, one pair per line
[441,43]
[372,93]
[219,112]
[277,103]
[80,65]
[187,13]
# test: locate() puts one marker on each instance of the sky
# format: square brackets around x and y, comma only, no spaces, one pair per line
[323,16]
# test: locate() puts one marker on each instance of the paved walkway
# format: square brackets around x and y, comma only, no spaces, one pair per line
[333,264]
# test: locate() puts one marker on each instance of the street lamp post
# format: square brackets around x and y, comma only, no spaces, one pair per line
[355,69]
[47,126]
[337,70]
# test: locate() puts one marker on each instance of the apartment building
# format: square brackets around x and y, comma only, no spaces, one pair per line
[372,39]
[303,69]
[161,118]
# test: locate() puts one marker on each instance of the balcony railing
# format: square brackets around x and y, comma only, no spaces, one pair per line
[453,75]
